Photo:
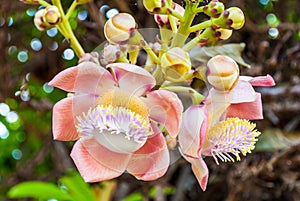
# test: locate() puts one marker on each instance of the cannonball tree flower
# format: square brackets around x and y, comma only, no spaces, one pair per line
[113,115]
[220,127]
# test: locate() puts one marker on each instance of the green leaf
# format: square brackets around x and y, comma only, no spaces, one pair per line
[134,197]
[200,55]
[38,190]
[77,188]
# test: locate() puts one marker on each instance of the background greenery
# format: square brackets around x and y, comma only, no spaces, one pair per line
[30,58]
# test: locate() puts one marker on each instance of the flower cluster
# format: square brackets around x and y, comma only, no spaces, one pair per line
[126,115]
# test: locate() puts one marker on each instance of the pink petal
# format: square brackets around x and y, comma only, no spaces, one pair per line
[242,92]
[260,80]
[166,108]
[152,160]
[106,158]
[64,113]
[251,111]
[87,77]
[193,130]
[90,169]
[200,170]
[132,78]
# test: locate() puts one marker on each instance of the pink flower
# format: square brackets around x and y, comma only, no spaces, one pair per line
[113,116]
[220,127]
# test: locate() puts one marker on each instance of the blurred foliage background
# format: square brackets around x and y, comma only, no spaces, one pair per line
[30,58]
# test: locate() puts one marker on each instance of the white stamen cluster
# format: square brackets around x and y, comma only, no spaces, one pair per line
[233,136]
[116,120]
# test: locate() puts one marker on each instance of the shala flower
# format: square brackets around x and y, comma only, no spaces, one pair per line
[220,127]
[113,115]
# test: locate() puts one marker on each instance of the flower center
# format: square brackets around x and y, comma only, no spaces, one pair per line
[232,136]
[117,128]
[119,98]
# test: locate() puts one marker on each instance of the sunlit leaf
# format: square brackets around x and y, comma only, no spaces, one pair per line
[200,55]
[134,197]
[38,190]
[77,188]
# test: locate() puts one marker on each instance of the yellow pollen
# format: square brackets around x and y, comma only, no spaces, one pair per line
[119,98]
[233,136]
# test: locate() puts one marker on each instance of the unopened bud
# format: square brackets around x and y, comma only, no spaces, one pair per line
[231,18]
[119,28]
[110,54]
[52,15]
[163,20]
[175,63]
[222,73]
[155,6]
[224,34]
[30,1]
[39,20]
[210,36]
[214,8]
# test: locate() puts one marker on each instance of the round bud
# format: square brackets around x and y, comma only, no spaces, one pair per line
[222,73]
[232,18]
[153,6]
[39,20]
[224,34]
[237,17]
[175,63]
[163,20]
[118,29]
[214,8]
[52,15]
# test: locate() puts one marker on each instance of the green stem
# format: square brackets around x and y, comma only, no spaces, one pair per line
[71,9]
[200,26]
[195,96]
[199,10]
[149,51]
[174,13]
[67,30]
[173,23]
[184,27]
[43,3]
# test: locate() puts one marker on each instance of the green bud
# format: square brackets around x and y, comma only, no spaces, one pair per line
[231,18]
[156,6]
[214,8]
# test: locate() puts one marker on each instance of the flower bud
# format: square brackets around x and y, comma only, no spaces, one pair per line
[222,73]
[210,36]
[39,20]
[231,18]
[175,63]
[163,20]
[30,1]
[52,15]
[154,6]
[224,34]
[214,8]
[119,28]
[110,54]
